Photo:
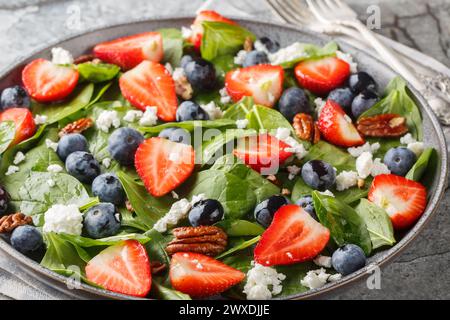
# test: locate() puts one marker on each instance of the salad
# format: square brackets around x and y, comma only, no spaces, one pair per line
[207,161]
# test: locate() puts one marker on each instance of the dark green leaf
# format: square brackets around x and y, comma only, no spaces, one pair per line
[172,45]
[240,228]
[422,164]
[7,134]
[240,109]
[191,125]
[97,72]
[164,293]
[223,64]
[156,246]
[335,156]
[261,117]
[241,246]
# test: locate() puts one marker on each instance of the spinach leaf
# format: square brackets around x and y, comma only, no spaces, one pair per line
[240,228]
[294,275]
[109,241]
[307,51]
[344,223]
[203,98]
[261,117]
[156,246]
[398,101]
[335,156]
[240,109]
[241,246]
[161,292]
[422,164]
[191,125]
[223,64]
[300,189]
[172,45]
[222,38]
[378,223]
[7,134]
[97,72]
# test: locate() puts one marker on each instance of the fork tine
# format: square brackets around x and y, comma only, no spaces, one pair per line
[312,5]
[332,5]
[284,12]
[323,6]
[278,10]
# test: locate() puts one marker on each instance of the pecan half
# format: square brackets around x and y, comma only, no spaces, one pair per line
[305,127]
[248,44]
[84,58]
[208,240]
[382,126]
[77,126]
[10,222]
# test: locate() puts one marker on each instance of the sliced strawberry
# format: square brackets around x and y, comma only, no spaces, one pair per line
[262,153]
[47,82]
[201,276]
[197,28]
[404,200]
[150,84]
[128,52]
[163,165]
[293,236]
[23,119]
[262,82]
[122,268]
[322,76]
[336,127]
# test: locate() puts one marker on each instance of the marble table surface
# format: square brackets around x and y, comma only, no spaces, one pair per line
[420,272]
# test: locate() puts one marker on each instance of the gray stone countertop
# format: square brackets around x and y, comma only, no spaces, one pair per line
[420,272]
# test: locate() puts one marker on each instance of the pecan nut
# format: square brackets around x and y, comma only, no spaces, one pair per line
[84,58]
[10,222]
[305,127]
[77,126]
[248,44]
[382,126]
[208,240]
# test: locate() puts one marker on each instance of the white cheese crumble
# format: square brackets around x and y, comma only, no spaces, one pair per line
[107,119]
[212,110]
[186,33]
[38,119]
[11,170]
[407,139]
[198,197]
[132,115]
[378,168]
[347,57]
[174,195]
[412,144]
[19,157]
[327,193]
[63,219]
[51,144]
[335,277]
[51,183]
[293,171]
[61,56]
[177,211]
[241,123]
[319,103]
[346,179]
[365,165]
[263,282]
[284,134]
[259,46]
[54,168]
[240,57]
[178,74]
[106,162]
[224,97]
[149,118]
[317,278]
[323,261]
[169,67]
[293,52]
[367,147]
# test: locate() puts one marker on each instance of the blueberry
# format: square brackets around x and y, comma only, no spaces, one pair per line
[185,60]
[201,74]
[205,213]
[70,143]
[176,135]
[293,100]
[26,239]
[348,259]
[189,110]
[14,97]
[361,81]
[107,188]
[255,57]
[399,160]
[318,174]
[271,45]
[307,204]
[343,97]
[123,143]
[363,102]
[83,166]
[101,220]
[265,210]
[4,200]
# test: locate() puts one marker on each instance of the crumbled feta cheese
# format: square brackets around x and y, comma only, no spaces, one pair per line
[346,179]
[177,211]
[51,183]
[174,195]
[149,118]
[335,277]
[132,115]
[282,133]
[63,219]
[19,157]
[169,67]
[241,123]
[38,119]
[293,171]
[315,278]
[364,164]
[259,46]
[107,119]
[320,103]
[186,33]
[61,56]
[407,139]
[293,52]
[11,170]
[51,144]
[240,57]
[106,162]
[54,168]
[323,261]
[197,198]
[416,147]
[367,147]
[224,97]
[327,193]
[378,168]
[263,282]
[212,110]
[178,74]
[347,57]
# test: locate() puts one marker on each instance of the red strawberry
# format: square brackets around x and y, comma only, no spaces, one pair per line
[23,119]
[262,153]
[336,127]
[404,200]
[128,52]
[47,82]
[294,236]
[322,76]
[150,84]
[262,82]
[163,165]
[197,28]
[200,276]
[122,268]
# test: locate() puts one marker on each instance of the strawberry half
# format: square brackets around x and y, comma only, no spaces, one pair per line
[150,84]
[128,52]
[47,82]
[262,153]
[23,119]
[163,165]
[404,200]
[122,268]
[262,82]
[336,127]
[322,76]
[197,28]
[292,237]
[201,276]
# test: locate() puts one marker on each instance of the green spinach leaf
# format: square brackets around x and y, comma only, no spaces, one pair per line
[335,156]
[172,45]
[240,228]
[240,109]
[7,134]
[191,125]
[97,72]
[241,246]
[261,117]
[422,164]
